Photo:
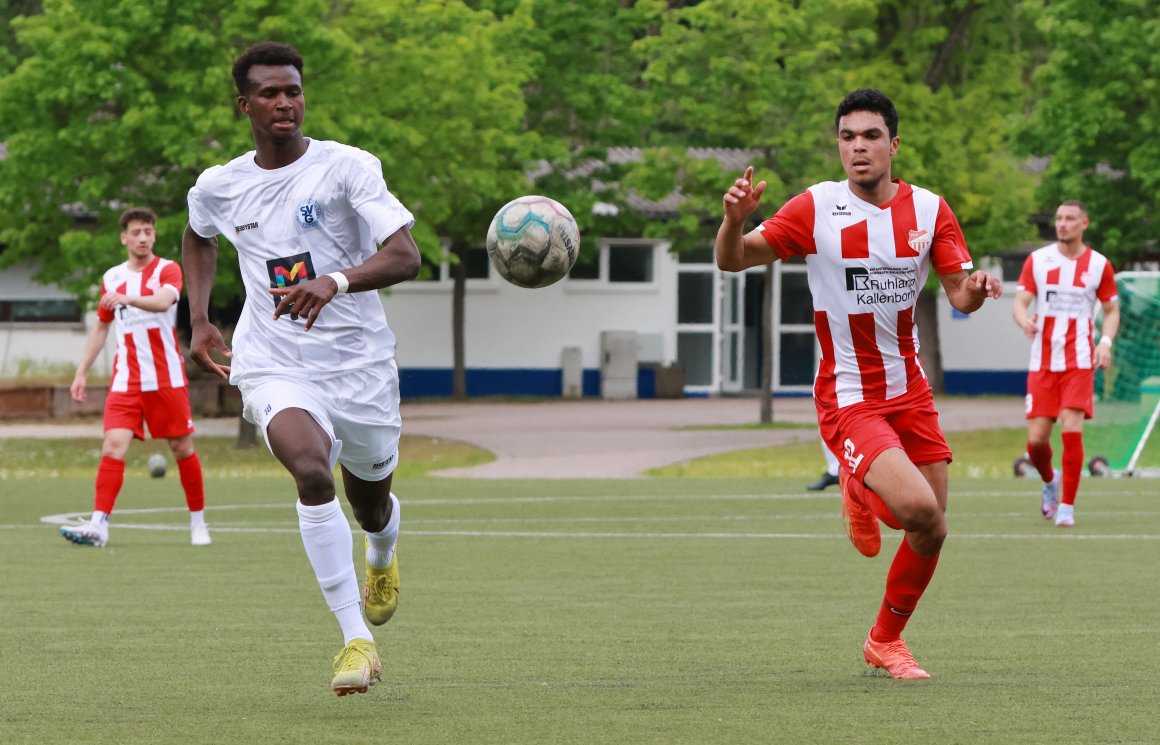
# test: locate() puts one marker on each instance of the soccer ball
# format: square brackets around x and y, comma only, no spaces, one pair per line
[533,241]
[156,465]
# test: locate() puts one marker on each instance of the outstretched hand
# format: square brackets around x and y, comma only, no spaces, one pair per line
[305,299]
[743,197]
[987,285]
[205,339]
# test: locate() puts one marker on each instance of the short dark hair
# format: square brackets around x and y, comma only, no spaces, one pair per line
[139,214]
[869,99]
[1075,203]
[264,53]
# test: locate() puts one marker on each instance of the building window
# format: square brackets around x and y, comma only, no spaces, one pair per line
[630,263]
[40,311]
[695,297]
[587,266]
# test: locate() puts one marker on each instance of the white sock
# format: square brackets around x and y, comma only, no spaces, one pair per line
[329,545]
[197,519]
[381,545]
[99,518]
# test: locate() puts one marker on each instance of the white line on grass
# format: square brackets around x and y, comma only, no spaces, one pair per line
[68,517]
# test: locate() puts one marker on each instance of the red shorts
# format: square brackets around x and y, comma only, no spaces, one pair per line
[166,411]
[1049,392]
[857,434]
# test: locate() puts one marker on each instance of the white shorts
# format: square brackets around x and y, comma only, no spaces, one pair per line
[358,409]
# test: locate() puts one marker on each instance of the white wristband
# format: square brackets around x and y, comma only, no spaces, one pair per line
[340,280]
[1105,339]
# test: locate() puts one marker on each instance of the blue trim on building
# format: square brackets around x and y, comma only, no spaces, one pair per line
[435,382]
[977,382]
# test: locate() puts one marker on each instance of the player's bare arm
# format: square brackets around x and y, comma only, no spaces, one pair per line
[1021,312]
[967,291]
[199,261]
[1103,356]
[397,260]
[156,303]
[736,250]
[93,346]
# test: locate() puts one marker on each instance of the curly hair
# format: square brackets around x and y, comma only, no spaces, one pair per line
[869,99]
[264,53]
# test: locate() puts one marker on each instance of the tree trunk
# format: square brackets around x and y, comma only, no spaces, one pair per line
[926,316]
[458,305]
[247,434]
[767,347]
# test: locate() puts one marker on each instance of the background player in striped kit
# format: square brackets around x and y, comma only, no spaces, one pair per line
[1065,279]
[148,385]
[868,243]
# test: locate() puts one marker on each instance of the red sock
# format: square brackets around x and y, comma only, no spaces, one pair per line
[1040,456]
[907,579]
[190,470]
[1072,462]
[110,476]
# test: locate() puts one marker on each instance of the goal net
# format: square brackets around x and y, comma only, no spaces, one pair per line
[1123,439]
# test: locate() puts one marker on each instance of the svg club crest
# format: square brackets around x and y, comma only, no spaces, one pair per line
[309,214]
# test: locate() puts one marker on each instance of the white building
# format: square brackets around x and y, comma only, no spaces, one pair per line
[678,310]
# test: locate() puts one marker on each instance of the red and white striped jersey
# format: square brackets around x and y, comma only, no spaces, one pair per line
[866,265]
[1066,291]
[148,356]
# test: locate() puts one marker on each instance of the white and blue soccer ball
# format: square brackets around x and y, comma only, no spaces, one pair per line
[533,241]
[157,465]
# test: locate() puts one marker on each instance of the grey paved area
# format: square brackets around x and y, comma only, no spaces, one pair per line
[600,439]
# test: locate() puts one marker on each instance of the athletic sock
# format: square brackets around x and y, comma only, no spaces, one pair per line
[197,519]
[1072,462]
[110,477]
[909,574]
[381,545]
[191,481]
[1040,456]
[327,538]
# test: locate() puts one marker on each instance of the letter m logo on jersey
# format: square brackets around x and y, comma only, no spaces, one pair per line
[289,270]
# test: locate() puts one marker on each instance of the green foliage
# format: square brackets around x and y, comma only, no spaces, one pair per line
[773,88]
[1097,117]
[432,88]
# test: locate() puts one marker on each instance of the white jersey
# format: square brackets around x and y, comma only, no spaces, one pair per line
[1066,291]
[866,265]
[327,211]
[148,356]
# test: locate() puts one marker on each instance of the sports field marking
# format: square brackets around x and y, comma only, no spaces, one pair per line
[69,517]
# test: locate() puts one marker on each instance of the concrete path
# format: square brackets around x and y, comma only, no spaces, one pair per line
[600,439]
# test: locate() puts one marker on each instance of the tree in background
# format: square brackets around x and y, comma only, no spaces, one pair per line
[1096,118]
[432,87]
[768,76]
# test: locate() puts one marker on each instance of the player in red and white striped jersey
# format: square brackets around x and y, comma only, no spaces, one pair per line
[1065,280]
[148,385]
[868,243]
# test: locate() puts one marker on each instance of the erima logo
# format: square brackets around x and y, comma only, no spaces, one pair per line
[248,226]
[383,464]
[841,210]
[857,279]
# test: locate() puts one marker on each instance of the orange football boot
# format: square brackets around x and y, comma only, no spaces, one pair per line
[861,524]
[893,657]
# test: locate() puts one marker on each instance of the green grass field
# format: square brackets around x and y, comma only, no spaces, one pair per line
[692,610]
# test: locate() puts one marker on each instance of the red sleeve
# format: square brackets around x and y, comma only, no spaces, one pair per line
[948,250]
[1107,289]
[1027,277]
[171,275]
[105,316]
[791,231]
